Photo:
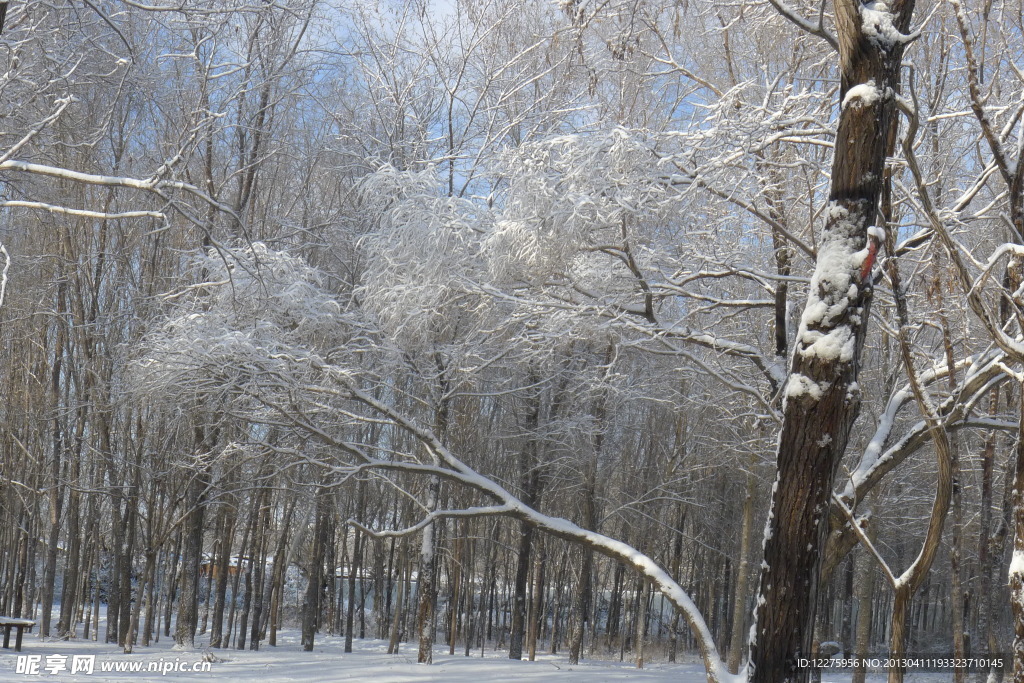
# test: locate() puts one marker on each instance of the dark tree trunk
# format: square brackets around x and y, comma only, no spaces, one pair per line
[516,637]
[314,574]
[57,490]
[1016,574]
[821,400]
[221,572]
[185,630]
[192,546]
[529,470]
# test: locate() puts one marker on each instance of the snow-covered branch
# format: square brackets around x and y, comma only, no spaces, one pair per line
[154,185]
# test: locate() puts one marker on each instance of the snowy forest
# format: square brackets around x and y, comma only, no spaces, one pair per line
[629,330]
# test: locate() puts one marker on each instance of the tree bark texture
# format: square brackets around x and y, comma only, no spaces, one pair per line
[822,399]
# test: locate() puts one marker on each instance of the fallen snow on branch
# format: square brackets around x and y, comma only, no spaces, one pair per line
[832,292]
[799,385]
[1017,564]
[877,24]
[863,95]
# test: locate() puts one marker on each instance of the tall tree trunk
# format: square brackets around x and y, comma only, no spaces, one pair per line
[641,620]
[185,630]
[396,622]
[863,588]
[589,521]
[65,626]
[821,397]
[1016,573]
[314,573]
[258,581]
[991,545]
[124,568]
[519,589]
[581,606]
[115,592]
[192,546]
[739,603]
[529,472]
[147,578]
[455,590]
[280,563]
[353,583]
[236,579]
[426,611]
[426,586]
[221,571]
[56,489]
[956,588]
[536,604]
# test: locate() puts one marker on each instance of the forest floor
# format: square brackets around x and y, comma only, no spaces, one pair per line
[327,663]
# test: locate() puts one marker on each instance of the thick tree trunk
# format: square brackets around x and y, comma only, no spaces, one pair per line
[125,571]
[455,592]
[956,587]
[987,563]
[536,604]
[898,633]
[581,606]
[258,580]
[396,621]
[426,586]
[516,637]
[170,584]
[147,579]
[66,626]
[583,597]
[863,589]
[314,573]
[222,573]
[248,570]
[822,399]
[56,504]
[192,550]
[640,635]
[277,579]
[1016,574]
[530,473]
[235,583]
[739,603]
[426,611]
[185,630]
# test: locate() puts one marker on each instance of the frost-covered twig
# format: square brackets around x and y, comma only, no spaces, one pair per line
[1013,346]
[433,516]
[67,211]
[62,104]
[855,525]
[149,185]
[793,16]
[3,273]
[1011,170]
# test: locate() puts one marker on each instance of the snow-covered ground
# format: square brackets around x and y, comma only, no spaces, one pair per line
[328,662]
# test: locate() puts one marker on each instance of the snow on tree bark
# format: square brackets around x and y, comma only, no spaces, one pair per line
[427,583]
[821,399]
[1016,572]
